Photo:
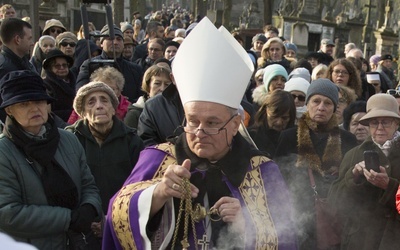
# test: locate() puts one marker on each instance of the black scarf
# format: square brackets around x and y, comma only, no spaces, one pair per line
[59,188]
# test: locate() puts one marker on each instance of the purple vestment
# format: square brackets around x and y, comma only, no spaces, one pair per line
[263,194]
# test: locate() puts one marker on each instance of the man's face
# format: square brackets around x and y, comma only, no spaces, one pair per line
[9,13]
[107,46]
[128,51]
[25,42]
[327,49]
[201,115]
[387,63]
[155,50]
[160,32]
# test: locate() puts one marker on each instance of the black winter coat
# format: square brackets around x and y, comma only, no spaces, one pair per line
[132,73]
[161,115]
[113,160]
[63,92]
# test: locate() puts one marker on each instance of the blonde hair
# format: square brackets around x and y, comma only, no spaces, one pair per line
[320,68]
[108,74]
[154,70]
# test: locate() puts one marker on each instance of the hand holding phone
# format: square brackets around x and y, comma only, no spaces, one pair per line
[371,159]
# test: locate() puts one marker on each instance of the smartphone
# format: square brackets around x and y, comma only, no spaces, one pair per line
[371,159]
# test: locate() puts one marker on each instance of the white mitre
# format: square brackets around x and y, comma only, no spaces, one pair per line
[211,66]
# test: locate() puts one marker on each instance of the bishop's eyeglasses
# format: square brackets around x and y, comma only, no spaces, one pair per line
[207,131]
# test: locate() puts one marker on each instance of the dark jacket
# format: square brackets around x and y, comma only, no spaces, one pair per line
[111,162]
[370,218]
[132,115]
[9,61]
[266,139]
[299,181]
[161,115]
[63,92]
[132,73]
[140,51]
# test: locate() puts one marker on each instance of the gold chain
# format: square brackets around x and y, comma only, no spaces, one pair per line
[185,206]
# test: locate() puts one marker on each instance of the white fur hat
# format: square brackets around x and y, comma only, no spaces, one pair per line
[297,84]
[211,66]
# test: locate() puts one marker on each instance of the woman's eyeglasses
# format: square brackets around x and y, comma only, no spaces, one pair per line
[65,44]
[58,31]
[341,72]
[386,123]
[301,98]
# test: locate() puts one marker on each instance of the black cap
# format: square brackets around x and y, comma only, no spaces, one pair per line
[22,86]
[387,57]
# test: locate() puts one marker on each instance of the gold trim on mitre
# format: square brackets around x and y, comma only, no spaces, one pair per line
[211,66]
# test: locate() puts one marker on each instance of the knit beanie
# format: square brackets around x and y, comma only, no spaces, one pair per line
[297,84]
[291,46]
[300,73]
[106,32]
[259,37]
[271,71]
[325,87]
[126,26]
[89,88]
[375,59]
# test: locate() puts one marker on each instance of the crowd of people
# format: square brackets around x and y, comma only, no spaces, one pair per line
[174,135]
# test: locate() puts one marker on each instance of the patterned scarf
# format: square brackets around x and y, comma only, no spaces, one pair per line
[307,155]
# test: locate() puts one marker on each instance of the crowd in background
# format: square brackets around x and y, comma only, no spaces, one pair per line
[314,115]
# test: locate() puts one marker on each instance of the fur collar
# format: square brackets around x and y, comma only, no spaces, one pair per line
[260,95]
[307,155]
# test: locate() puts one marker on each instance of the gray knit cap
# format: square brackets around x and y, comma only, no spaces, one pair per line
[91,87]
[106,32]
[325,87]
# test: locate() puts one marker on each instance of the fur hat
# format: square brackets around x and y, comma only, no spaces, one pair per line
[22,86]
[381,105]
[106,33]
[271,71]
[52,23]
[325,87]
[89,88]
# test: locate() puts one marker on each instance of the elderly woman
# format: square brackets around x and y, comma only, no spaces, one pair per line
[277,113]
[116,81]
[365,193]
[274,78]
[351,120]
[273,52]
[155,80]
[66,42]
[60,83]
[313,150]
[343,72]
[112,149]
[48,192]
[46,44]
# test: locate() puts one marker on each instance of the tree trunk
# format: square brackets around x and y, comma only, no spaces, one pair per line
[137,5]
[118,12]
[268,5]
[200,7]
[226,20]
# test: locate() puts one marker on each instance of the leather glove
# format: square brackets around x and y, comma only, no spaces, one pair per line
[82,218]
